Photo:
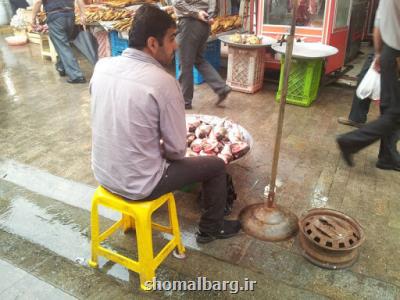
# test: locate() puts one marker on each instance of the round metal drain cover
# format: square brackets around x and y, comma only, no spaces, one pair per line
[329,238]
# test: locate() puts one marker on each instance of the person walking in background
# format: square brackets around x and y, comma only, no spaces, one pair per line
[194,20]
[61,23]
[359,107]
[385,128]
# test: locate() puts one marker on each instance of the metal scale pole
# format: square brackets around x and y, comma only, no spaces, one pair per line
[269,221]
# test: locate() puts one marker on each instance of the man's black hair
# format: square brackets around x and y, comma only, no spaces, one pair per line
[149,21]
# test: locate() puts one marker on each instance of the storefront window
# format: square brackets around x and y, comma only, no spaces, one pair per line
[279,12]
[342,13]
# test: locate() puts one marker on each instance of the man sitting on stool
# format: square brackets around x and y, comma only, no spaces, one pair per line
[136,104]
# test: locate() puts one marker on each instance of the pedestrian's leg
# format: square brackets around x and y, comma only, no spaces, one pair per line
[186,53]
[208,170]
[390,104]
[388,122]
[360,107]
[388,154]
[59,66]
[59,36]
[210,75]
[354,141]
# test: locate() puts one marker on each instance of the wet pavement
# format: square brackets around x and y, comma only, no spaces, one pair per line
[46,184]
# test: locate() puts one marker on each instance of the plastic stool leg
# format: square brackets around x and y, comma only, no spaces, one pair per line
[95,228]
[128,223]
[173,219]
[145,250]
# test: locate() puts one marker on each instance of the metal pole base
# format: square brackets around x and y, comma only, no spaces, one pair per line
[269,223]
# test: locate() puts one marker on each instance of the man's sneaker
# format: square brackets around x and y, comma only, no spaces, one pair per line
[77,80]
[345,153]
[61,72]
[346,121]
[229,229]
[388,166]
[222,96]
[60,69]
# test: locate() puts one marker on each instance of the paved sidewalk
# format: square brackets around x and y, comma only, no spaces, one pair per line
[46,185]
[15,283]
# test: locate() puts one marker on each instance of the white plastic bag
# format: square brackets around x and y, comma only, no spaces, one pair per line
[370,85]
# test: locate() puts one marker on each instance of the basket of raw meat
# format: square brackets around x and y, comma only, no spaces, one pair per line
[214,136]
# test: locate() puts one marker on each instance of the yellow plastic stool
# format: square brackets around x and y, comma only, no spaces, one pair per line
[135,215]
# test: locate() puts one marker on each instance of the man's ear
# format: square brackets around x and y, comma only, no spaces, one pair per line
[152,44]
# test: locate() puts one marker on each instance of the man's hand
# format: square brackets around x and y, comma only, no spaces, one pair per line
[378,43]
[377,63]
[203,16]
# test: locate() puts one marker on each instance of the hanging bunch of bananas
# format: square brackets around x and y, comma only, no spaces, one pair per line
[124,3]
[226,23]
[123,25]
[105,14]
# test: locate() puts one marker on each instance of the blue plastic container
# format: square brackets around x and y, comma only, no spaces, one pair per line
[117,44]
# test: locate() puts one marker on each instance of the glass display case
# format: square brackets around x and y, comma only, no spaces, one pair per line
[342,13]
[310,12]
[322,21]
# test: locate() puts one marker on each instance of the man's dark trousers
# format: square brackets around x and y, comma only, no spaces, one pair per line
[61,30]
[210,171]
[387,125]
[192,39]
[360,107]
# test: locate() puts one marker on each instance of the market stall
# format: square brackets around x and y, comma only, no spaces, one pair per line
[110,22]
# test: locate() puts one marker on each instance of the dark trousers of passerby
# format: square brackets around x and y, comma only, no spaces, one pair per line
[360,107]
[61,29]
[210,171]
[192,40]
[387,125]
[15,4]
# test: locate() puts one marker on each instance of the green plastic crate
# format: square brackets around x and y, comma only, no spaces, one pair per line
[304,78]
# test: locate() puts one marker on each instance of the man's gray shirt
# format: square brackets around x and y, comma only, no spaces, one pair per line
[135,104]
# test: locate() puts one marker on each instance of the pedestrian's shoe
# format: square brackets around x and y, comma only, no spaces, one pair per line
[61,72]
[188,106]
[347,121]
[388,166]
[60,69]
[345,153]
[229,229]
[222,96]
[77,80]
